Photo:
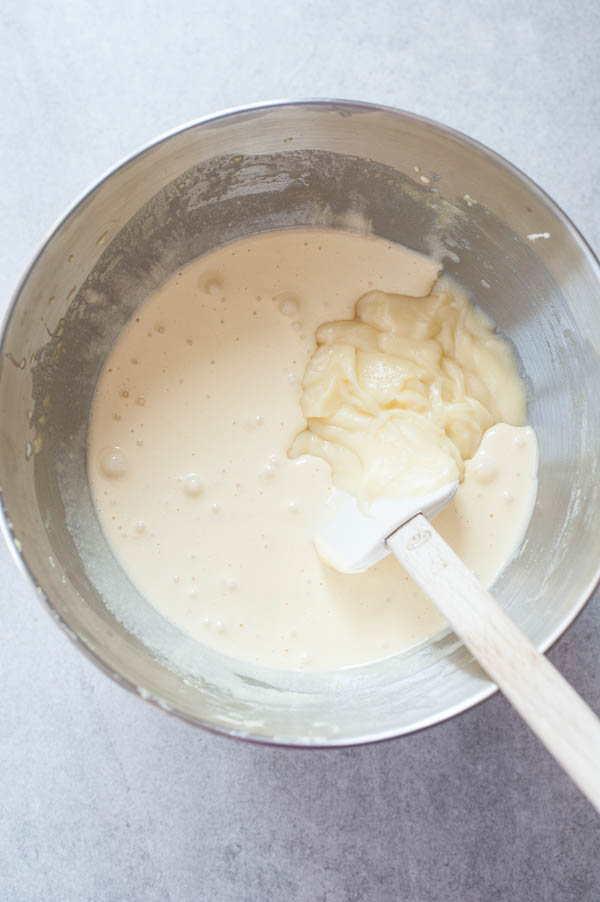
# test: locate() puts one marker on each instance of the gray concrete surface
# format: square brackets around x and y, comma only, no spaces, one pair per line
[101,796]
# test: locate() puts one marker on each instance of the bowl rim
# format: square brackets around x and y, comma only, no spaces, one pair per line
[488,688]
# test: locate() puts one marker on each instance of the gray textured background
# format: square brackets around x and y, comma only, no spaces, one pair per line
[101,796]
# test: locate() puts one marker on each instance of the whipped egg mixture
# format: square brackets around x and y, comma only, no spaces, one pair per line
[226,406]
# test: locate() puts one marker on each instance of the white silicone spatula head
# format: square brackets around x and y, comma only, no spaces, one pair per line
[560,718]
[354,541]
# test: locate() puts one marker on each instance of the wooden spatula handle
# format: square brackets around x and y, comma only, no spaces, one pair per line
[555,712]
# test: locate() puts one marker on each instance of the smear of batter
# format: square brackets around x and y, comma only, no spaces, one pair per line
[193,415]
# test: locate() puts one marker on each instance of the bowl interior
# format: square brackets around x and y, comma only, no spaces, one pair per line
[285,166]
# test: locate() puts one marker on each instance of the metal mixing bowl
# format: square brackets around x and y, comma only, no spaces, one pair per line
[275,166]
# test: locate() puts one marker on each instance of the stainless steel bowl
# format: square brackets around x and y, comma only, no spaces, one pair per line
[241,172]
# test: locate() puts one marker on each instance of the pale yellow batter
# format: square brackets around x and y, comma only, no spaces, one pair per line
[193,416]
[399,397]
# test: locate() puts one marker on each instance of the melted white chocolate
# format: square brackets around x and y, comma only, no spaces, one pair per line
[193,414]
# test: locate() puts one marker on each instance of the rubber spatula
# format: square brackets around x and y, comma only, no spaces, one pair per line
[549,705]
